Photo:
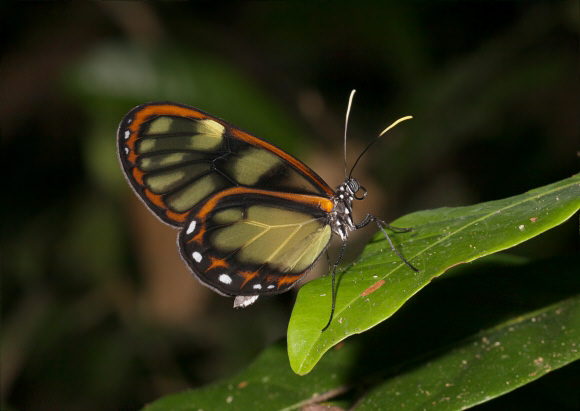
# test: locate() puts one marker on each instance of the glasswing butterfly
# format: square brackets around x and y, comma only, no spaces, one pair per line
[253,219]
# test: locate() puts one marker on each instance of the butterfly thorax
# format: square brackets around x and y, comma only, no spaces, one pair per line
[340,218]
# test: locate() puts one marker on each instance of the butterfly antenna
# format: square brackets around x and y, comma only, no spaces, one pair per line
[375,140]
[346,125]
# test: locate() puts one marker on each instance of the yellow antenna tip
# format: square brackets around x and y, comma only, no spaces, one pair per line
[395,123]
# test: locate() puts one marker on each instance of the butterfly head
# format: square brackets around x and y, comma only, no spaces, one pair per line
[347,191]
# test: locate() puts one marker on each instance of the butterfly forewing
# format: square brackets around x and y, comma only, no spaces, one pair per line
[254,219]
[176,156]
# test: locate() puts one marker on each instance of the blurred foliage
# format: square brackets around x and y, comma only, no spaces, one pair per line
[98,311]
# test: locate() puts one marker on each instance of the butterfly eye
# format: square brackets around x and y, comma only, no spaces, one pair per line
[353,185]
[364,193]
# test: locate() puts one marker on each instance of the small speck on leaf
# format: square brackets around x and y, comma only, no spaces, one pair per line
[373,288]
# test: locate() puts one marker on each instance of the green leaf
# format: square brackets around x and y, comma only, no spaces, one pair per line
[487,365]
[369,369]
[377,284]
[267,384]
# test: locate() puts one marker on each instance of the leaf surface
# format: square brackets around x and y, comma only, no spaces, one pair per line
[378,283]
[267,384]
[479,368]
[487,365]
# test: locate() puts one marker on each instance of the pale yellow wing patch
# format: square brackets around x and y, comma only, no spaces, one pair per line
[289,241]
[190,195]
[251,164]
[167,180]
[174,133]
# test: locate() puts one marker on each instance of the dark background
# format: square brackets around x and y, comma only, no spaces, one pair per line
[98,310]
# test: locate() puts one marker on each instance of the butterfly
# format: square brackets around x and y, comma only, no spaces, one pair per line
[253,219]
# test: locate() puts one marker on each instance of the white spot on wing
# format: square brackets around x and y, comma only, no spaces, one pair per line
[242,301]
[126,150]
[191,228]
[271,286]
[196,256]
[224,278]
[257,287]
[127,134]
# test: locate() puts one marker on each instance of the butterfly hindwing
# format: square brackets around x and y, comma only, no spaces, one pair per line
[248,241]
[176,156]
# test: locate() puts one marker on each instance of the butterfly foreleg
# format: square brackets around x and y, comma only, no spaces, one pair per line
[365,221]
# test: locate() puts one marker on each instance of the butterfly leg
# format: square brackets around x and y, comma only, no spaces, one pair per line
[328,260]
[396,229]
[381,224]
[370,218]
[333,281]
